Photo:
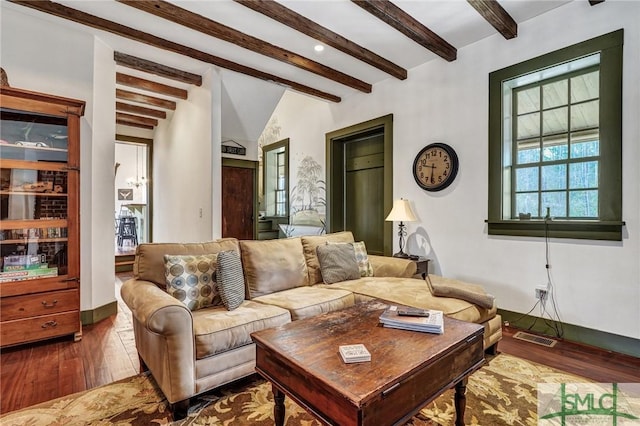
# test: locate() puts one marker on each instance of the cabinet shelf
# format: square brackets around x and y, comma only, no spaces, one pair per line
[33,223]
[36,194]
[34,240]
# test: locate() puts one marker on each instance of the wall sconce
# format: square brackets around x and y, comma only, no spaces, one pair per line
[401,212]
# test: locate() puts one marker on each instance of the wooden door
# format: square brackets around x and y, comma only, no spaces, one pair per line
[238,201]
[363,199]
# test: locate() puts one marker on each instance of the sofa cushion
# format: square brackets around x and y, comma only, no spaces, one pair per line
[305,302]
[472,293]
[230,279]
[192,279]
[149,263]
[310,243]
[337,262]
[218,330]
[413,292]
[366,270]
[273,265]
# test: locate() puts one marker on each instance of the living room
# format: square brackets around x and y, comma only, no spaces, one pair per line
[439,102]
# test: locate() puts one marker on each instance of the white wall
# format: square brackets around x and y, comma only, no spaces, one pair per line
[43,56]
[183,170]
[448,102]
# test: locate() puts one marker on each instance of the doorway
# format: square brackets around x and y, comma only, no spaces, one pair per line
[133,196]
[360,182]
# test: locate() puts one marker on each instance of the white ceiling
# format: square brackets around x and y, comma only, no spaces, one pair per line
[454,20]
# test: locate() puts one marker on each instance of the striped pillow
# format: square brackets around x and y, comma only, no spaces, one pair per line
[230,279]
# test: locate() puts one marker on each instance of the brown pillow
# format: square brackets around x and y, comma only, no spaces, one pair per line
[337,263]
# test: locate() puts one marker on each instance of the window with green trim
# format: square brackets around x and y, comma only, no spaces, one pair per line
[555,143]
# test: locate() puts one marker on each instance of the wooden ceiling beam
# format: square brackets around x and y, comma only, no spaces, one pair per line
[132,118]
[496,16]
[132,124]
[151,86]
[80,17]
[409,26]
[155,68]
[124,107]
[145,99]
[186,18]
[288,17]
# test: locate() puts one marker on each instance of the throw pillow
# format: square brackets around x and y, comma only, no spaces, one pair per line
[230,279]
[337,263]
[191,279]
[366,270]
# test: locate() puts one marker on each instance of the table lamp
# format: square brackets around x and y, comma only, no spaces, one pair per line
[401,212]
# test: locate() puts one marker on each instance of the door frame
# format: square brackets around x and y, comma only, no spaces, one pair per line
[335,172]
[246,164]
[149,184]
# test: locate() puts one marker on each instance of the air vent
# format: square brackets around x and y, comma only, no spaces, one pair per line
[538,340]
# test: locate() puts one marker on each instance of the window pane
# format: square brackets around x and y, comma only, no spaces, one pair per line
[583,175]
[585,144]
[586,115]
[586,86]
[528,151]
[528,100]
[555,148]
[583,203]
[527,203]
[527,179]
[554,177]
[528,125]
[556,201]
[554,121]
[555,94]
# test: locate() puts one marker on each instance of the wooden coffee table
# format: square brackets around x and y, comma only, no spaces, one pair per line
[407,369]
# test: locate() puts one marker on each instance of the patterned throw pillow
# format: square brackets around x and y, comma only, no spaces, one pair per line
[366,270]
[337,263]
[191,279]
[230,279]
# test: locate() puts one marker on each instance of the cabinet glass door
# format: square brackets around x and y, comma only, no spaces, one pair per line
[34,201]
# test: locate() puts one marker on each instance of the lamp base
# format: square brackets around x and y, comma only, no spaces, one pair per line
[401,255]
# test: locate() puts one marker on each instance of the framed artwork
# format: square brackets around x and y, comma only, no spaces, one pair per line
[125,194]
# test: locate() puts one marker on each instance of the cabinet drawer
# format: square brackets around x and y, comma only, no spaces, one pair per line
[42,327]
[32,305]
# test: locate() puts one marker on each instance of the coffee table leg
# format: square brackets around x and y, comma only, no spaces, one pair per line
[460,401]
[278,408]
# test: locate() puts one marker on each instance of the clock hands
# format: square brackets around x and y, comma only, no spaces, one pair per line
[432,166]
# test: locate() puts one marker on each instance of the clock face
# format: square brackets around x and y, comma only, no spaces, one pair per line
[435,167]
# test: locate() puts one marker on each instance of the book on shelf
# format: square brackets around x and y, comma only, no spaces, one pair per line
[28,274]
[354,353]
[429,321]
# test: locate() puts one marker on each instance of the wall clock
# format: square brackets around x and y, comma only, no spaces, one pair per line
[435,167]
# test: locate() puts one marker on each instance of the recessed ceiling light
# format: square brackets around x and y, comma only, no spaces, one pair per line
[318,48]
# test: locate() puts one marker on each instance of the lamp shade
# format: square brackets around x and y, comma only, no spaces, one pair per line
[401,212]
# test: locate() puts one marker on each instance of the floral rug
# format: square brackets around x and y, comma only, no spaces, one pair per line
[503,392]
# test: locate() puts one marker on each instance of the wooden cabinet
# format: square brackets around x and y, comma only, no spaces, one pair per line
[39,212]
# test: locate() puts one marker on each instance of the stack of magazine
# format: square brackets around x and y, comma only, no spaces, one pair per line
[405,318]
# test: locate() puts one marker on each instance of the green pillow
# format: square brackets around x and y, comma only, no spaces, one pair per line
[337,263]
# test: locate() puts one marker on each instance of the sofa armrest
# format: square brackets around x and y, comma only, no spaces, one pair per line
[385,266]
[157,310]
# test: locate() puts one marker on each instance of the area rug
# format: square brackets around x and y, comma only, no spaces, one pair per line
[503,392]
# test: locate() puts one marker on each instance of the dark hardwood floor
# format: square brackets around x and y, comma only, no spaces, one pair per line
[39,372]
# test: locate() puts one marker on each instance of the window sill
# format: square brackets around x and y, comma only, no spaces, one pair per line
[578,229]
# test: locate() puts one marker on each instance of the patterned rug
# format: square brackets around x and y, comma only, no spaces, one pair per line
[503,392]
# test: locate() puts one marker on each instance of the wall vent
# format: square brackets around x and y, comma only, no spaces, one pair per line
[538,340]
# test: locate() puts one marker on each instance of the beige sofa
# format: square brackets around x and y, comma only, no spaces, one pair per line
[191,352]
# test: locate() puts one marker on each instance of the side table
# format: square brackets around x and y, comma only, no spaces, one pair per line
[422,266]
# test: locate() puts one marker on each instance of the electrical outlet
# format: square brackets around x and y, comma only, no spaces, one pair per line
[541,293]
